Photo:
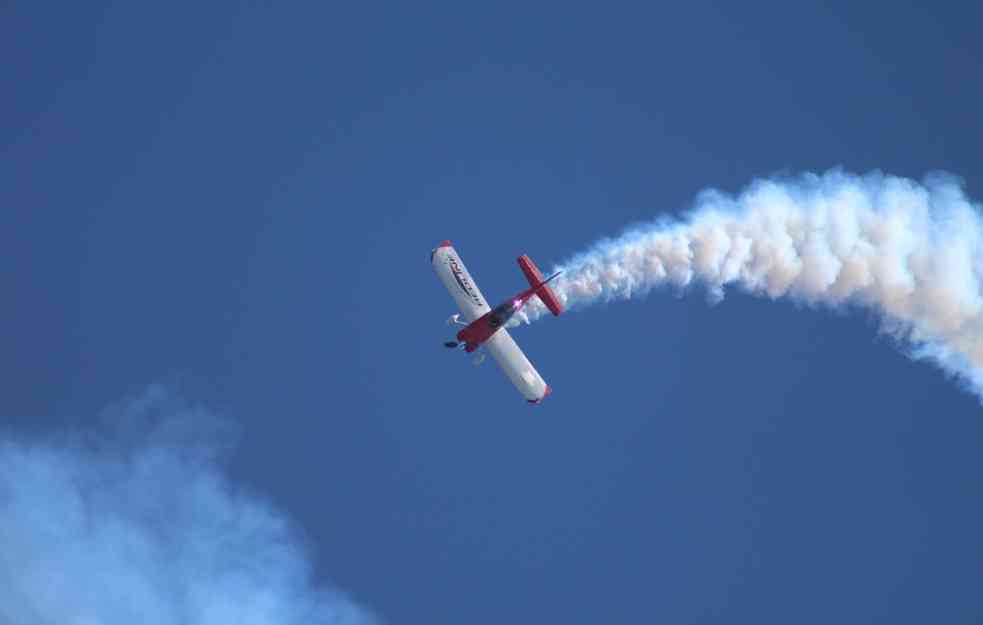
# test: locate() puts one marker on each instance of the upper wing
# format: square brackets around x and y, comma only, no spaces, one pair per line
[458,281]
[514,363]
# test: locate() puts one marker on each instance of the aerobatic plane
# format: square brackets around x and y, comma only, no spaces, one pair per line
[485,326]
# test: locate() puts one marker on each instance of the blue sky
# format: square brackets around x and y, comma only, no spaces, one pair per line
[238,201]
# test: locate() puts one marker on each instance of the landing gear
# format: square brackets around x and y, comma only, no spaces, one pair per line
[455,319]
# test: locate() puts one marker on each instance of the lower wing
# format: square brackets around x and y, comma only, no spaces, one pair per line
[516,366]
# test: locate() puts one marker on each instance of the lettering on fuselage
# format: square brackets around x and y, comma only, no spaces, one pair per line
[462,281]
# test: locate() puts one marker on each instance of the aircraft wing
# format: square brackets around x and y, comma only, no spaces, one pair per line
[452,272]
[516,366]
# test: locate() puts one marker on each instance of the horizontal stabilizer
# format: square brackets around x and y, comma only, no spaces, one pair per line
[543,291]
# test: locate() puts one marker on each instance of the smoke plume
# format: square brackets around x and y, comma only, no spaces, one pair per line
[910,252]
[134,522]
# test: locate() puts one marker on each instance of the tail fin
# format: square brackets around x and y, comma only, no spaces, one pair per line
[535,278]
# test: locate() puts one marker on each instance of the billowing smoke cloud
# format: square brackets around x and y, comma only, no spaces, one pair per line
[135,523]
[911,252]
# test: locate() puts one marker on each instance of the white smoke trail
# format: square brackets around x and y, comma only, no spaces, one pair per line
[137,524]
[912,252]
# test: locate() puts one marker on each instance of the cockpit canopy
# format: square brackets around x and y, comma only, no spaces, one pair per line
[502,313]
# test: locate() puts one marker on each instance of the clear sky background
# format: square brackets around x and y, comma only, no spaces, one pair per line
[239,200]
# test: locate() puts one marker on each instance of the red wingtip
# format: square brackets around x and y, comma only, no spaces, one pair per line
[545,393]
[444,243]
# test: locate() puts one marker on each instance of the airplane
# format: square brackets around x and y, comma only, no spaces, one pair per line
[485,326]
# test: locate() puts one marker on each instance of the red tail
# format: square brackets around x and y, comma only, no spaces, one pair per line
[535,278]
